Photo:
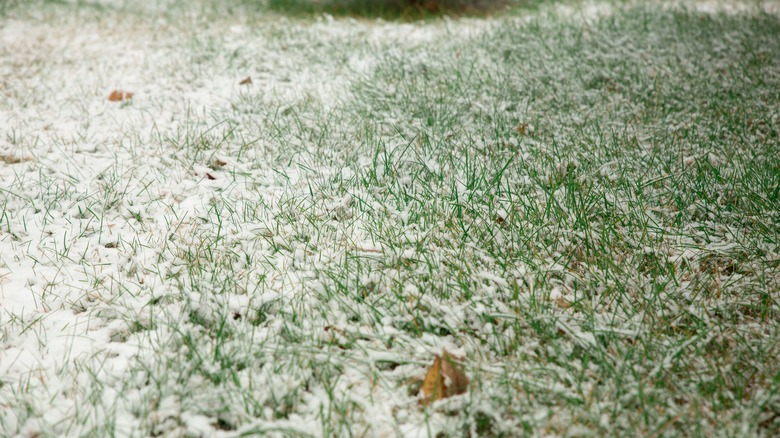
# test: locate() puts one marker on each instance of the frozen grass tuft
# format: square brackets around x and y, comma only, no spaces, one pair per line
[580,199]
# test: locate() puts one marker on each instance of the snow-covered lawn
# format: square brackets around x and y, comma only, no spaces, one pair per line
[579,199]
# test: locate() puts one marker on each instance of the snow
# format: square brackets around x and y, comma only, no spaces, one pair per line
[54,253]
[108,199]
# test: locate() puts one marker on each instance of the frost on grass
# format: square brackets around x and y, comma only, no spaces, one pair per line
[581,203]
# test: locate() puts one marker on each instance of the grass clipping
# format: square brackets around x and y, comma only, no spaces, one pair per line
[444,378]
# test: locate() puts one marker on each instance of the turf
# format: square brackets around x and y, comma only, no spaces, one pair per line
[579,199]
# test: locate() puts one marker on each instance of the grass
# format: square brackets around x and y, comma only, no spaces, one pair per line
[584,206]
[390,9]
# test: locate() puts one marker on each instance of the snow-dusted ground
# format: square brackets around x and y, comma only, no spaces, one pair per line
[211,258]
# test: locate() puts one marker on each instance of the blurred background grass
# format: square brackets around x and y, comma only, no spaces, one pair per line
[392,9]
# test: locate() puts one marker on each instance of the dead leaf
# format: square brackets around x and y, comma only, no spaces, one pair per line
[457,381]
[563,303]
[246,81]
[216,163]
[522,129]
[119,95]
[433,385]
[444,378]
[210,176]
[11,159]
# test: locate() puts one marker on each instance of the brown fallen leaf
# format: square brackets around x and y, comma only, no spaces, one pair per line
[119,95]
[246,81]
[433,385]
[444,378]
[457,381]
[216,163]
[562,302]
[522,129]
[12,159]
